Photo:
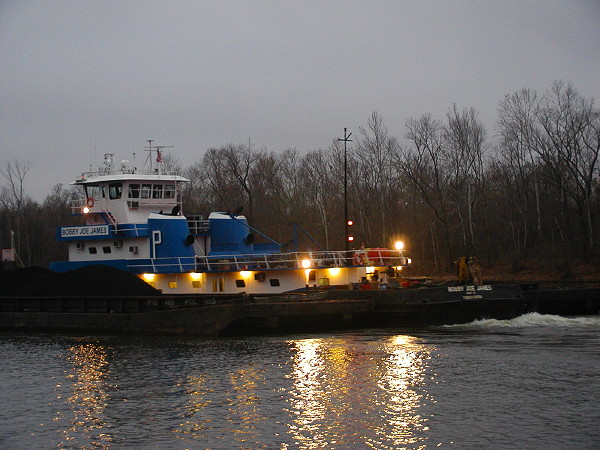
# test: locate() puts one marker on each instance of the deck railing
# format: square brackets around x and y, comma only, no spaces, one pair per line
[292,260]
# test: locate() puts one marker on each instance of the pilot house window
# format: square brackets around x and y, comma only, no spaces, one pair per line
[93,191]
[115,190]
[146,190]
[157,191]
[134,191]
[169,191]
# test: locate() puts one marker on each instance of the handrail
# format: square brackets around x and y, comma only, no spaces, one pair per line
[136,171]
[263,261]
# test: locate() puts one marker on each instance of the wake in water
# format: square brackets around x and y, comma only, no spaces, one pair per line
[533,320]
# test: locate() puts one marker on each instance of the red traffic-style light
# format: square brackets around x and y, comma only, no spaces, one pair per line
[350,238]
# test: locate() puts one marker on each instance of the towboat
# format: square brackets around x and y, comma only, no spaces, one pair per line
[134,221]
[220,275]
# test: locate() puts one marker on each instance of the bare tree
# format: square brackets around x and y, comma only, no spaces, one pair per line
[571,146]
[318,180]
[422,164]
[171,163]
[222,190]
[13,195]
[464,147]
[15,172]
[239,161]
[267,179]
[518,137]
[375,152]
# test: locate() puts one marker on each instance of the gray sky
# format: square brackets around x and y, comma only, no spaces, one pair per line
[78,75]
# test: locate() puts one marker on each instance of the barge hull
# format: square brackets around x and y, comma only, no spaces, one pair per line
[316,310]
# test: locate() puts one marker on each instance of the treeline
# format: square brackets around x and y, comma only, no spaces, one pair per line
[528,194]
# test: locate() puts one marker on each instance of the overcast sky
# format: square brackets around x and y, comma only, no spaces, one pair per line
[82,78]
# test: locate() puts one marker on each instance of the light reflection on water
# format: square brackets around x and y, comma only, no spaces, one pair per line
[351,390]
[402,382]
[310,394]
[343,395]
[87,378]
[331,392]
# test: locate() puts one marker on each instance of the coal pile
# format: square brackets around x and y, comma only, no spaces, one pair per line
[91,281]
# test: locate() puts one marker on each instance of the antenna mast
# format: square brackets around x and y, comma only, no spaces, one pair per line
[345,141]
[149,148]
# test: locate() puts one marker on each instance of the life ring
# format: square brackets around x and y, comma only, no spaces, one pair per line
[90,202]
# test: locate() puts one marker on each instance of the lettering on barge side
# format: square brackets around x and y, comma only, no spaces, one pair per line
[94,230]
[470,291]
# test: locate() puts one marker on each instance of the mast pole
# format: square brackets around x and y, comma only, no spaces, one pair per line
[346,140]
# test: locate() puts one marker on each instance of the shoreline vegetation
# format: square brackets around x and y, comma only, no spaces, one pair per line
[523,198]
[579,276]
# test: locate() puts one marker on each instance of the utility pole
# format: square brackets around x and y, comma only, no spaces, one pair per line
[346,140]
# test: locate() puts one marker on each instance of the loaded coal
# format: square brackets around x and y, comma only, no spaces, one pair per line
[95,280]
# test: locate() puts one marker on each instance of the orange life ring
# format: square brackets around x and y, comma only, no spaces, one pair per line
[90,202]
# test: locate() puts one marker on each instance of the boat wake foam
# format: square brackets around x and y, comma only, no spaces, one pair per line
[533,320]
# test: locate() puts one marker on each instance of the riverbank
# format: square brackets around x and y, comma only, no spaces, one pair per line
[579,275]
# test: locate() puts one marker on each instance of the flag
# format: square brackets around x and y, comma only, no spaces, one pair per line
[158,156]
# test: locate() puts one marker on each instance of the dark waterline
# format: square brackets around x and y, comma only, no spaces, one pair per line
[532,382]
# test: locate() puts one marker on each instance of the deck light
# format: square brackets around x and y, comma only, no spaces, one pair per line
[195,276]
[399,245]
[245,273]
[86,209]
[149,277]
[306,263]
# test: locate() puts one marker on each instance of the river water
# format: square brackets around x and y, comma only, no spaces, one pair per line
[530,382]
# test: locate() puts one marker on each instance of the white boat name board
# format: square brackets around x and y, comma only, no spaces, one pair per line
[94,230]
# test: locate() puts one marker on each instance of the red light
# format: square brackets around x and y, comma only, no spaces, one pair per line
[350,238]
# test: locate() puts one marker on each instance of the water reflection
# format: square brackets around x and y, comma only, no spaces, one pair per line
[402,382]
[331,392]
[198,390]
[88,376]
[223,407]
[347,392]
[309,396]
[244,408]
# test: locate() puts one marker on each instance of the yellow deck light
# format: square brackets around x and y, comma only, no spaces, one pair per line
[149,277]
